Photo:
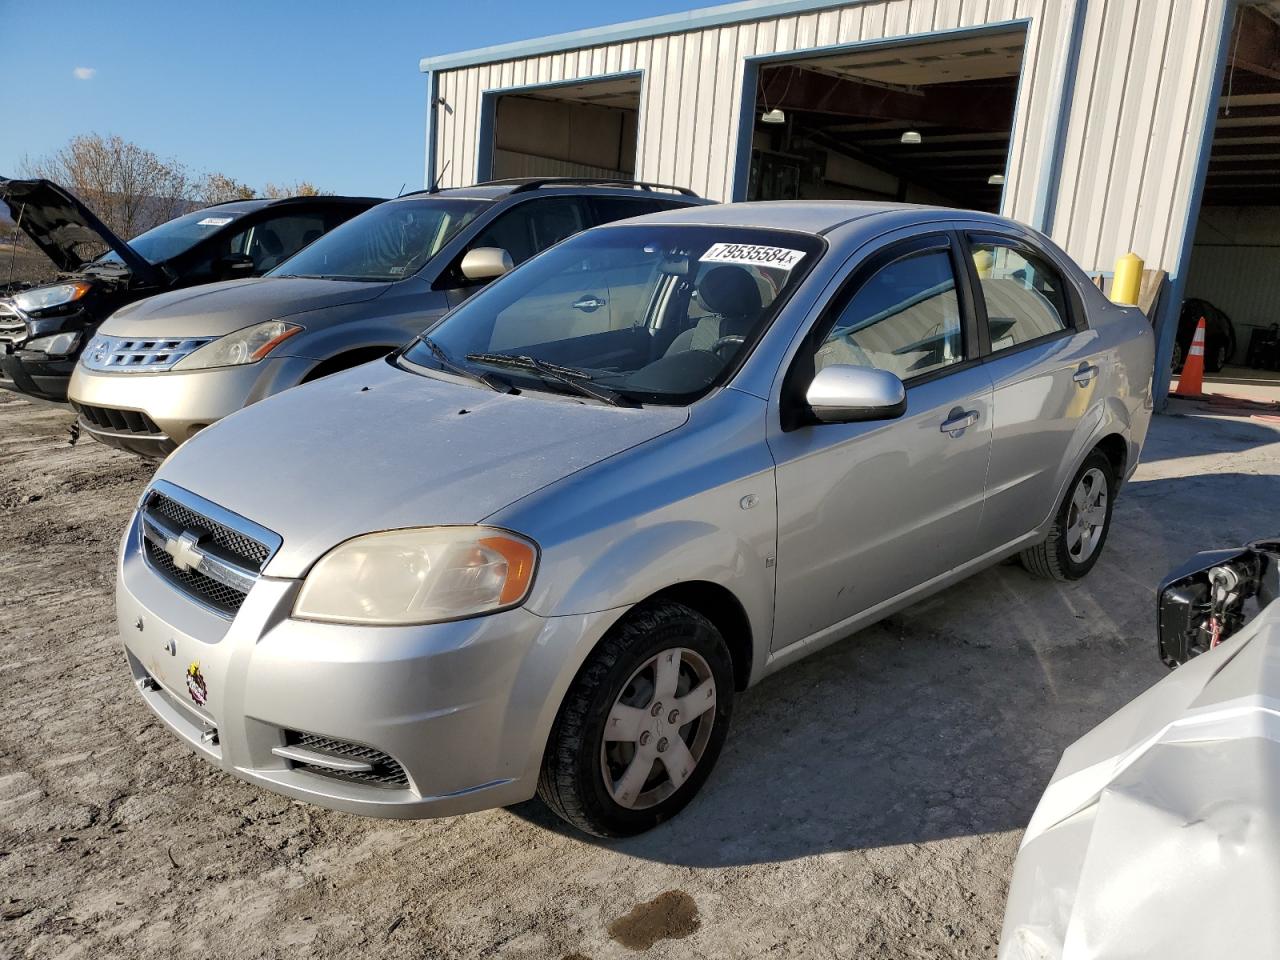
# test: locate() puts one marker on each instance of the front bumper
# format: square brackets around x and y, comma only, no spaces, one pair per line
[464,708]
[36,374]
[176,405]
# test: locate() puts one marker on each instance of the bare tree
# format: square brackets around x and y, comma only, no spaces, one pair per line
[300,188]
[129,187]
[219,188]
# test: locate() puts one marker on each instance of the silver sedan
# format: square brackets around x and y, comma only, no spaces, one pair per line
[543,547]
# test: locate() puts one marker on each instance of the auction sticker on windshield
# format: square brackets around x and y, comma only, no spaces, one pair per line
[215,221]
[762,256]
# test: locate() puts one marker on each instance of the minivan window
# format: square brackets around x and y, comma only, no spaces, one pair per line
[656,313]
[388,242]
[177,235]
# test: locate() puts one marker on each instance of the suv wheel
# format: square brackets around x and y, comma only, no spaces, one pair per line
[642,725]
[1080,526]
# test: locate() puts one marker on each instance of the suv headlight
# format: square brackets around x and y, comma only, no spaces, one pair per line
[55,295]
[419,575]
[243,346]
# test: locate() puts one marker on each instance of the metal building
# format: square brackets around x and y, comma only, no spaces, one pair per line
[1104,123]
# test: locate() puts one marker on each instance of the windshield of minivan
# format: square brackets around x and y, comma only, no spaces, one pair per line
[391,241]
[177,235]
[648,313]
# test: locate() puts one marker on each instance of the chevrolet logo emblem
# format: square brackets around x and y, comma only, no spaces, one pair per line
[185,551]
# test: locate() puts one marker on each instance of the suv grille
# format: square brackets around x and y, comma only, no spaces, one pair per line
[125,421]
[219,563]
[13,328]
[386,772]
[134,355]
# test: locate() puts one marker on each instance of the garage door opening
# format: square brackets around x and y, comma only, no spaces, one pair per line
[1233,279]
[920,123]
[571,130]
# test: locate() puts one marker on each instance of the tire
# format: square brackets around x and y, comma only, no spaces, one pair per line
[1061,556]
[1176,363]
[622,674]
[1219,360]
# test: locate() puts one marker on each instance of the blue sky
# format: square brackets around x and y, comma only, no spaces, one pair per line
[267,91]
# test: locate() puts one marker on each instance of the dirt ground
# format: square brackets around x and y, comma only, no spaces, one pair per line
[869,802]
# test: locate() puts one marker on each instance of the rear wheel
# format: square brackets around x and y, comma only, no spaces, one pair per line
[642,725]
[1080,526]
[1218,360]
[1177,356]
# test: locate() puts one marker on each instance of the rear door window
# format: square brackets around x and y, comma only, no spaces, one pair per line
[1024,295]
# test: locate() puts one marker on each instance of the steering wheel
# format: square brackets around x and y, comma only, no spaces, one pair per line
[733,339]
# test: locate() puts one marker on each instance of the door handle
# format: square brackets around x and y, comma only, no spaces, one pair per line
[1085,374]
[588,304]
[958,421]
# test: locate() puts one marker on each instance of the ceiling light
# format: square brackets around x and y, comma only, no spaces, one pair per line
[912,136]
[996,179]
[773,116]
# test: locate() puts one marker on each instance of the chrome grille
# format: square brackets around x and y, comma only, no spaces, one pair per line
[138,355]
[13,326]
[205,552]
[386,771]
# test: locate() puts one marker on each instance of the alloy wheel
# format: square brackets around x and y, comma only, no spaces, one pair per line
[1087,515]
[658,728]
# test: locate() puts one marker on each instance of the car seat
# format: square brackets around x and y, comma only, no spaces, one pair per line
[731,294]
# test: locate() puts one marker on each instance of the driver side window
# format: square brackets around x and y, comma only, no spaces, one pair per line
[904,318]
[524,230]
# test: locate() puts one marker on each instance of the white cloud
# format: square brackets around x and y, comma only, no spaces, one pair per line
[83,73]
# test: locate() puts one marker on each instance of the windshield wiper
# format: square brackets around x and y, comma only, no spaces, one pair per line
[492,382]
[579,381]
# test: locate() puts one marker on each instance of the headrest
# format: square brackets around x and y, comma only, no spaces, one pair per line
[730,291]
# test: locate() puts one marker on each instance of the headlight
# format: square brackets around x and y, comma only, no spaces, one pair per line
[420,575]
[41,298]
[244,346]
[58,345]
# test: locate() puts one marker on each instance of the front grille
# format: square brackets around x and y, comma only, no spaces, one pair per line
[137,355]
[386,771]
[220,562]
[244,550]
[206,589]
[13,327]
[123,421]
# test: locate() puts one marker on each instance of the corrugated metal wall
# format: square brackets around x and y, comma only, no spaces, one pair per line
[1132,140]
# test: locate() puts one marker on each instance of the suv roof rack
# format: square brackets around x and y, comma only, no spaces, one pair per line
[524,184]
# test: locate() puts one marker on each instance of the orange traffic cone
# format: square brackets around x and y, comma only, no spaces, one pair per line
[1191,380]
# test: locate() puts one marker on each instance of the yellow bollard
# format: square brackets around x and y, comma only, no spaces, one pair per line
[983,261]
[1128,280]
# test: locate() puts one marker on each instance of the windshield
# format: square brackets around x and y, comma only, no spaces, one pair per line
[177,235]
[655,314]
[391,241]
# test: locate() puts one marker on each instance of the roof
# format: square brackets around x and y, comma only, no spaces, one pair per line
[497,189]
[257,203]
[808,216]
[651,27]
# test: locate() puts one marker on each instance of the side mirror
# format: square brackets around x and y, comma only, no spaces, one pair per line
[844,393]
[235,265]
[485,263]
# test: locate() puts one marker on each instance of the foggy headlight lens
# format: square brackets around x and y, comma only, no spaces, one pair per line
[244,346]
[58,345]
[42,298]
[421,575]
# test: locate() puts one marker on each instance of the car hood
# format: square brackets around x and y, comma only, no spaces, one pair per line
[379,448]
[1157,836]
[214,309]
[64,228]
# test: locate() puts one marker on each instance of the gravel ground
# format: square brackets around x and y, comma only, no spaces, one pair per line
[869,802]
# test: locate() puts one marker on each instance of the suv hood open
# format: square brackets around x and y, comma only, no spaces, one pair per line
[61,226]
[379,448]
[216,309]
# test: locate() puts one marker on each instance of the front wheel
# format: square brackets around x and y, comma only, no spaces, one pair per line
[1080,525]
[642,725]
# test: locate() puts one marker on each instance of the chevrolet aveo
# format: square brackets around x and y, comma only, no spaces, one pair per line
[541,549]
